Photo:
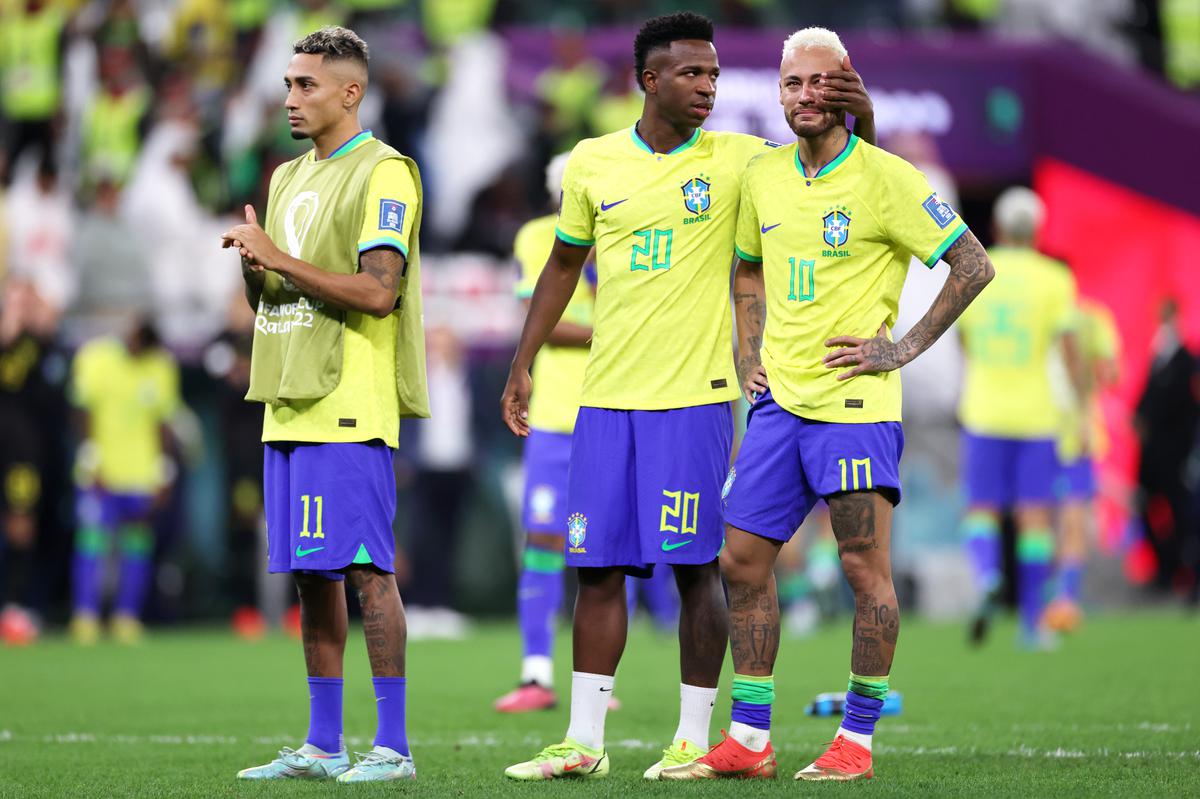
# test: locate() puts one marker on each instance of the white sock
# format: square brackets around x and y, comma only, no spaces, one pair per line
[695,713]
[589,704]
[752,738]
[862,740]
[538,669]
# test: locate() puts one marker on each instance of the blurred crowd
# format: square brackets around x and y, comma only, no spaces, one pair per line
[134,130]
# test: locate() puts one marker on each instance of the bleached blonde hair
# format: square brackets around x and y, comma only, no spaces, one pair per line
[1018,213]
[554,174]
[813,39]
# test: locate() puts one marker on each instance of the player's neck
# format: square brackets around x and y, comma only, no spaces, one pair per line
[660,135]
[820,150]
[326,143]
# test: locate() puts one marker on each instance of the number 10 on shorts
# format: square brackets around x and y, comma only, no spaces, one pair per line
[855,463]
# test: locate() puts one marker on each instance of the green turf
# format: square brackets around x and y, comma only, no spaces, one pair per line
[1115,712]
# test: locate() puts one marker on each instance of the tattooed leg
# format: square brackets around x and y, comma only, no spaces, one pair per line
[322,624]
[747,563]
[384,626]
[862,524]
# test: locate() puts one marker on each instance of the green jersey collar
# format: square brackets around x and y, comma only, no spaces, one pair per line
[828,169]
[640,143]
[359,139]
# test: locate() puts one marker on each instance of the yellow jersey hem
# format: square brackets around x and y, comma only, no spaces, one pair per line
[617,404]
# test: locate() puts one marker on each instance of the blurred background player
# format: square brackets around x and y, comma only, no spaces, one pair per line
[1082,441]
[338,358]
[1009,416]
[821,222]
[127,390]
[654,433]
[25,395]
[558,374]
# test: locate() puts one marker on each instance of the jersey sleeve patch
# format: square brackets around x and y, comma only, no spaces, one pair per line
[391,215]
[939,211]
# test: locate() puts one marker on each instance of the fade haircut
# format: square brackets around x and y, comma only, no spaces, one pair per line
[335,43]
[661,31]
[814,39]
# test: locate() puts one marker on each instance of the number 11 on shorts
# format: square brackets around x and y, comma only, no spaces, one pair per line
[319,501]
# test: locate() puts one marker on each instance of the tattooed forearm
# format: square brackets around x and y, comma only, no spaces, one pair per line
[754,627]
[970,271]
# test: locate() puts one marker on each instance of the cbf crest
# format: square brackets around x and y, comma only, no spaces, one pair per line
[696,196]
[836,227]
[576,532]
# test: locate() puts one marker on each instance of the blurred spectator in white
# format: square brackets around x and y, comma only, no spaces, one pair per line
[190,281]
[41,223]
[463,159]
[112,263]
[444,459]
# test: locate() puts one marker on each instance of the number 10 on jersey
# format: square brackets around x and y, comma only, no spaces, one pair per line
[800,277]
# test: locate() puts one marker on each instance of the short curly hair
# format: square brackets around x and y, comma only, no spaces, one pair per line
[335,43]
[661,31]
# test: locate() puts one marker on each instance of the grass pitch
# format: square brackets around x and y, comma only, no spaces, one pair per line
[1114,712]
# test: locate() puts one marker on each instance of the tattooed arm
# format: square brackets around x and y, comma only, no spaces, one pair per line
[750,307]
[371,290]
[970,271]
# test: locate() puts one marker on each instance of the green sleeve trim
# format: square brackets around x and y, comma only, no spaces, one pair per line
[383,241]
[954,236]
[543,561]
[745,256]
[569,239]
[524,294]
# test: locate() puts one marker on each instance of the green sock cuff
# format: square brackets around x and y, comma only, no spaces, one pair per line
[753,690]
[543,561]
[90,540]
[870,687]
[979,524]
[1035,546]
[136,539]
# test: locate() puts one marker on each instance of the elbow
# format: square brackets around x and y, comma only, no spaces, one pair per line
[381,306]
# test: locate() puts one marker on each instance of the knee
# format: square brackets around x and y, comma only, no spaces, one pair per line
[865,573]
[739,569]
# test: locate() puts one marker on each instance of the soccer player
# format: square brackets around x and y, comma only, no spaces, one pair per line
[338,358]
[825,231]
[558,372]
[652,440]
[1081,440]
[127,389]
[1009,416]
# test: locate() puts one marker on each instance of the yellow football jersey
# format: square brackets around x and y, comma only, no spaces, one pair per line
[1098,339]
[1008,333]
[557,371]
[835,249]
[127,400]
[663,226]
[367,390]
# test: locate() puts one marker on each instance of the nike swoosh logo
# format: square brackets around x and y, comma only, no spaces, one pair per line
[605,206]
[768,228]
[604,690]
[302,552]
[569,767]
[668,546]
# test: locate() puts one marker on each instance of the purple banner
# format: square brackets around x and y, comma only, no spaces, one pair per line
[992,108]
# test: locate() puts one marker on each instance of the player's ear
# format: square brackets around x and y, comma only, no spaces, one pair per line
[650,81]
[353,94]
